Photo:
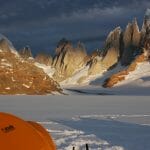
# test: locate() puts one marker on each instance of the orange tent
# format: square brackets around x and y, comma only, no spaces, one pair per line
[17,134]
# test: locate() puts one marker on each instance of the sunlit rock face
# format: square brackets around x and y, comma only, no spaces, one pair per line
[136,34]
[131,41]
[102,60]
[4,45]
[44,59]
[112,48]
[95,63]
[20,76]
[26,52]
[68,59]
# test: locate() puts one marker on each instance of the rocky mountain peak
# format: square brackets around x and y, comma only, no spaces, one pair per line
[44,59]
[26,52]
[6,45]
[68,59]
[113,39]
[112,48]
[62,45]
[131,42]
[131,34]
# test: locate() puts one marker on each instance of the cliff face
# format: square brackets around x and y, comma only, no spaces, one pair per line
[112,48]
[131,41]
[68,59]
[101,61]
[19,76]
[95,65]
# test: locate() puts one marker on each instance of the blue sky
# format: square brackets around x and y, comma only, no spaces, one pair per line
[42,23]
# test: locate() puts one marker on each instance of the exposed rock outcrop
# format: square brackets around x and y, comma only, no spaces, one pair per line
[95,63]
[112,48]
[62,45]
[95,66]
[100,60]
[136,35]
[44,59]
[26,52]
[68,59]
[131,41]
[6,45]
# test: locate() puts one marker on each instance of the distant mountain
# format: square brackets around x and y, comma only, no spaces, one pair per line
[126,48]
[136,51]
[121,60]
[22,76]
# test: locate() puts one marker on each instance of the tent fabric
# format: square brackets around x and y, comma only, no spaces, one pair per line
[43,133]
[17,134]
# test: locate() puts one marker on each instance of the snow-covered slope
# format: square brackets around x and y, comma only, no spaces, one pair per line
[82,77]
[74,80]
[141,73]
[139,77]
